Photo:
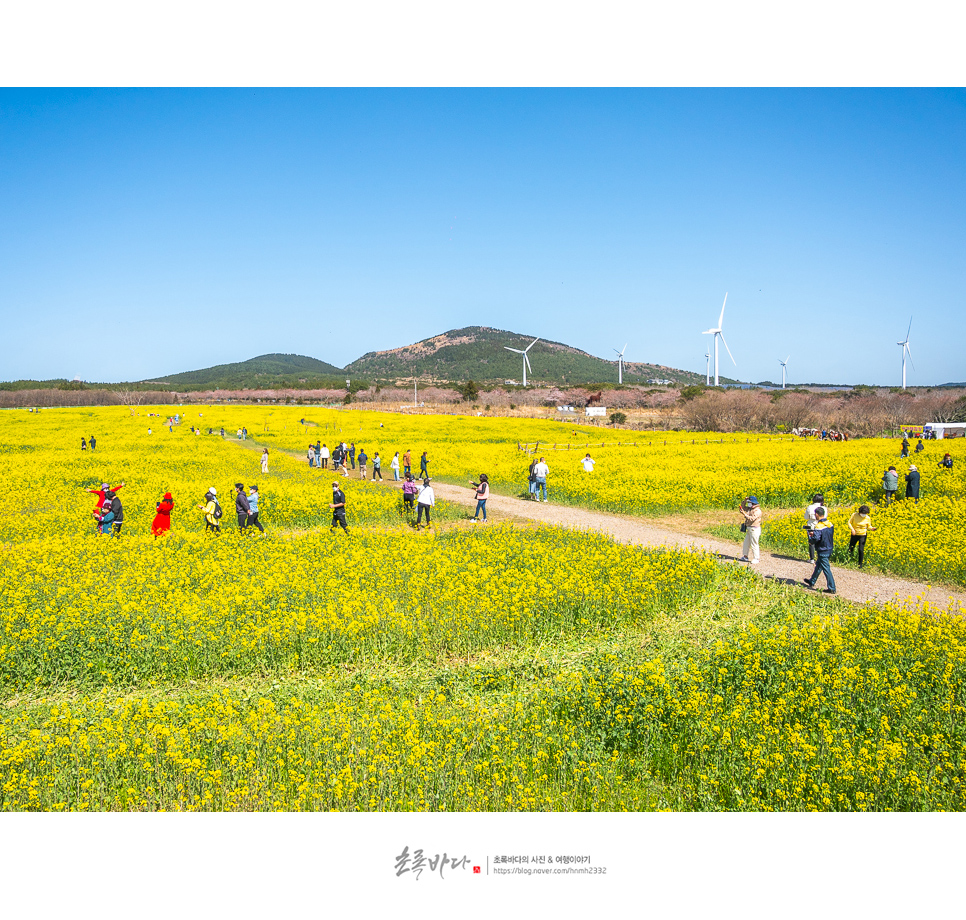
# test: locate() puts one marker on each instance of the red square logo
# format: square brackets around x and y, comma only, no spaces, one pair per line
[476,870]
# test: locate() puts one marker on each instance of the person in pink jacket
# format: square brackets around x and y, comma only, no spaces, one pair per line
[482,494]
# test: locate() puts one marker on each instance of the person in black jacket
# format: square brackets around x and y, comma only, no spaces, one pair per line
[822,535]
[242,508]
[338,508]
[912,484]
[116,510]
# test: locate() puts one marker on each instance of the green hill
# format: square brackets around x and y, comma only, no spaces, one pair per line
[478,353]
[265,371]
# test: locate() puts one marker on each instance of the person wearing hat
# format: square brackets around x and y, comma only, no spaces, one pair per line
[253,505]
[101,494]
[162,520]
[751,512]
[212,511]
[912,484]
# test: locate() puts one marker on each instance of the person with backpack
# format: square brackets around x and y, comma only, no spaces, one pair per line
[253,506]
[409,490]
[482,494]
[823,536]
[425,501]
[338,508]
[162,519]
[377,466]
[242,508]
[212,511]
[363,460]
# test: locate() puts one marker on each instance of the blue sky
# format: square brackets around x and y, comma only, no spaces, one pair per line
[146,232]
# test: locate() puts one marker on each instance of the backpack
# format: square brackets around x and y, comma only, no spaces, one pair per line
[216,514]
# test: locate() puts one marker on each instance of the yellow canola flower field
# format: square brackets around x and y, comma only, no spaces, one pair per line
[497,669]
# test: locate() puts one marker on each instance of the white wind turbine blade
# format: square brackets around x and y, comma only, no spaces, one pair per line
[909,330]
[525,358]
[534,342]
[721,318]
[517,350]
[727,349]
[909,352]
[786,360]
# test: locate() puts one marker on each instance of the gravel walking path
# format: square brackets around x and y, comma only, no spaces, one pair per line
[851,584]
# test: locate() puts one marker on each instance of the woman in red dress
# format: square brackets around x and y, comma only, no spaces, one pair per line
[162,520]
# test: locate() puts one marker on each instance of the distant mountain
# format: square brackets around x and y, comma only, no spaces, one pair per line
[478,353]
[265,371]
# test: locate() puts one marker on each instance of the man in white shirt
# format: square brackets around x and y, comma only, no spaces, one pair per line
[588,463]
[540,472]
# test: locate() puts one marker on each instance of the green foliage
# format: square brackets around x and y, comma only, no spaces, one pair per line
[617,418]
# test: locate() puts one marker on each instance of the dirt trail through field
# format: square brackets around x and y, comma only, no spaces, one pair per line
[851,584]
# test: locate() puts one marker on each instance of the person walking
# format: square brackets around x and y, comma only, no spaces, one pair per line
[318,454]
[407,463]
[823,536]
[93,443]
[860,525]
[265,460]
[890,482]
[409,490]
[242,508]
[310,453]
[83,443]
[162,518]
[212,512]
[482,494]
[363,460]
[751,512]
[394,466]
[912,484]
[946,463]
[325,457]
[352,454]
[377,467]
[817,501]
[905,449]
[424,466]
[253,508]
[540,473]
[338,508]
[588,464]
[424,502]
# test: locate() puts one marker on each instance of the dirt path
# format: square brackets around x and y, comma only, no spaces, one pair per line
[851,584]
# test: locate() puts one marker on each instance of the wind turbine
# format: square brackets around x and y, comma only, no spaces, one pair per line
[707,368]
[906,348]
[718,334]
[620,363]
[526,360]
[783,363]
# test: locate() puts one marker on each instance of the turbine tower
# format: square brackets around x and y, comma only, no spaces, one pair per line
[718,334]
[620,363]
[707,368]
[526,360]
[783,363]
[905,349]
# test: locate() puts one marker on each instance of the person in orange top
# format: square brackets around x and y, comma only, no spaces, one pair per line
[162,520]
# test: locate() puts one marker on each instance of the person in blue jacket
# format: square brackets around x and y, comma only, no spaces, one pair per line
[822,535]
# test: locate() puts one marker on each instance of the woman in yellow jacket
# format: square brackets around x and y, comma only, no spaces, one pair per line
[860,524]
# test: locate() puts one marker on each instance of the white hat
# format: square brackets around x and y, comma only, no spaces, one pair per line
[213,490]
